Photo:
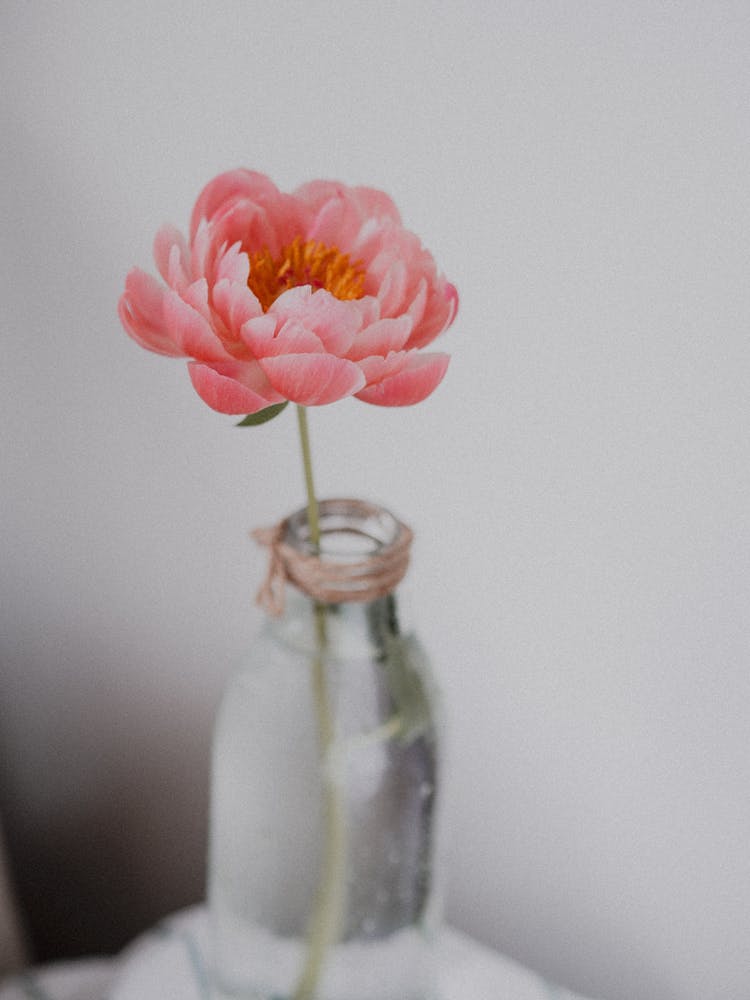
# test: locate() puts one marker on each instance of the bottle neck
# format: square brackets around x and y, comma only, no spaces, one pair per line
[352,628]
[360,555]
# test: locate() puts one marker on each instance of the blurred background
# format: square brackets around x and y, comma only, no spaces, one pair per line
[579,483]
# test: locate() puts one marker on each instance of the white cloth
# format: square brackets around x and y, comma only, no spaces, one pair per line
[168,963]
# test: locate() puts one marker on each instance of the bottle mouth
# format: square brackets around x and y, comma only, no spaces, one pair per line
[363,554]
[350,531]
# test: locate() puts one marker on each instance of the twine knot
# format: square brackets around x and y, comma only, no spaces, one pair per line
[331,578]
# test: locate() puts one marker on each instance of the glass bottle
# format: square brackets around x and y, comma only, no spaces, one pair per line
[323,880]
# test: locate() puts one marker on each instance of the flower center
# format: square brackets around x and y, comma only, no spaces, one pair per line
[304,262]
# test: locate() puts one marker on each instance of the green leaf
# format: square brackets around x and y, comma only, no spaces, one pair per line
[263,416]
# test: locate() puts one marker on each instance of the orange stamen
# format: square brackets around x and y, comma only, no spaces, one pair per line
[304,262]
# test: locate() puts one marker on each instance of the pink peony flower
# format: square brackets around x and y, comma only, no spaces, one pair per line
[307,297]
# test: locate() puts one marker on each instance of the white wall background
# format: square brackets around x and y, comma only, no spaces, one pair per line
[579,483]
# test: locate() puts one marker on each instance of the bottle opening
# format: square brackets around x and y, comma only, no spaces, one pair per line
[363,555]
[350,530]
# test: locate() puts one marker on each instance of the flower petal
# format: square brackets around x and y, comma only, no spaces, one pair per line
[235,304]
[368,202]
[380,242]
[191,331]
[393,288]
[369,309]
[233,386]
[376,204]
[245,223]
[316,193]
[233,264]
[203,251]
[141,311]
[313,379]
[418,303]
[172,257]
[412,384]
[234,185]
[334,322]
[329,224]
[337,222]
[266,341]
[439,313]
[380,338]
[376,369]
[196,295]
[146,296]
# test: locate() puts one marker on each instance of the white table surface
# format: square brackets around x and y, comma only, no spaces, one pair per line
[168,963]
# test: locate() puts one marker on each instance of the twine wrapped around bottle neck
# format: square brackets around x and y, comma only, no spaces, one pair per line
[333,577]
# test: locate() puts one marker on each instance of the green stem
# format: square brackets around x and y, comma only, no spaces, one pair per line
[313,519]
[327,917]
